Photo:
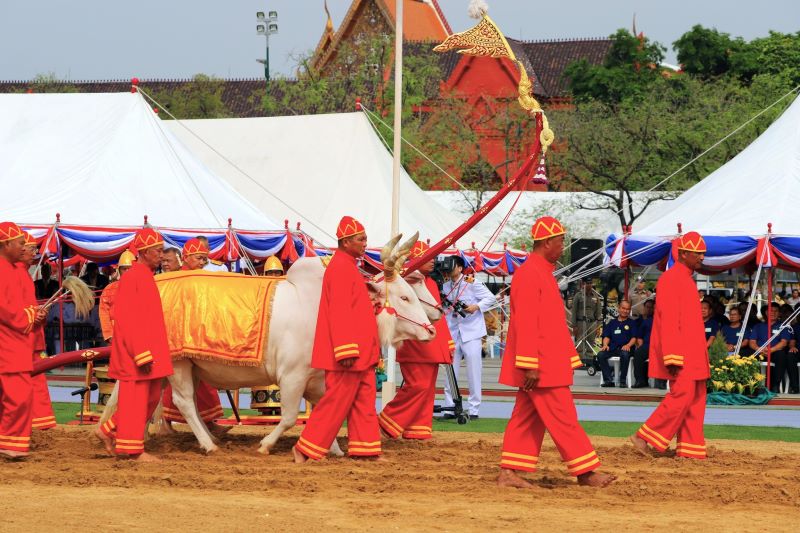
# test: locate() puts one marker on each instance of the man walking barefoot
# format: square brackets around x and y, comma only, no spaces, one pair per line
[539,359]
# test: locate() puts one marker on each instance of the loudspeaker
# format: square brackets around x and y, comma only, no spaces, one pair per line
[580,249]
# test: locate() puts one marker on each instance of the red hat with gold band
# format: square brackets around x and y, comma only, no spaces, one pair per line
[546,227]
[348,227]
[195,247]
[692,242]
[418,249]
[147,238]
[10,231]
[30,240]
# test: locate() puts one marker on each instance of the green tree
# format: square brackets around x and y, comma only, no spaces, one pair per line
[613,150]
[202,98]
[629,70]
[49,83]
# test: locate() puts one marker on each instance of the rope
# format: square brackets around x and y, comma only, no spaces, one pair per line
[785,324]
[234,165]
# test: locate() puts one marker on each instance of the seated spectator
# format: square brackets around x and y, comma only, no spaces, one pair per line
[760,334]
[794,299]
[718,310]
[46,286]
[734,330]
[752,320]
[711,324]
[619,338]
[642,353]
[792,359]
[784,312]
[93,278]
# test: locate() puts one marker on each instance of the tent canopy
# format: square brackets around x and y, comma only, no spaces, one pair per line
[734,206]
[324,167]
[107,160]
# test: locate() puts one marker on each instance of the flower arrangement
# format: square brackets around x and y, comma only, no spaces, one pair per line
[733,373]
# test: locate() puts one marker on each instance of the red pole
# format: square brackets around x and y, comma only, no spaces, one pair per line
[769,324]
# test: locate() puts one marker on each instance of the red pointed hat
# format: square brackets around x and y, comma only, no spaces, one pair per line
[10,231]
[29,239]
[692,242]
[147,238]
[546,227]
[194,247]
[418,249]
[348,227]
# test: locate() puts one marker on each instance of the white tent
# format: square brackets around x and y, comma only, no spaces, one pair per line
[323,166]
[106,160]
[760,185]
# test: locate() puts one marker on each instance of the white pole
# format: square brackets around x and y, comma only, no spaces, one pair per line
[389,386]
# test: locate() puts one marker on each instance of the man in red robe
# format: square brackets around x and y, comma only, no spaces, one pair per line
[42,415]
[209,407]
[346,346]
[679,353]
[410,413]
[539,359]
[18,317]
[139,351]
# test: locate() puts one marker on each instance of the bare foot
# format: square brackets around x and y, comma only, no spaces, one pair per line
[639,444]
[298,456]
[145,457]
[108,442]
[596,479]
[509,478]
[11,455]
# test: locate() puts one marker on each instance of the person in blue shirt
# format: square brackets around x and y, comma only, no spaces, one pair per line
[711,324]
[733,330]
[619,338]
[780,355]
[642,353]
[792,359]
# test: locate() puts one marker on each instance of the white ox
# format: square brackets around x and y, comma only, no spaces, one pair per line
[287,358]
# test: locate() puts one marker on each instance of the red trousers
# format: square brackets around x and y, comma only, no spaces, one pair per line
[137,401]
[16,393]
[411,411]
[208,405]
[351,396]
[553,409]
[681,412]
[43,417]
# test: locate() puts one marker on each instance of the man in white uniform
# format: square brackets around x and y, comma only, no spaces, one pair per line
[467,331]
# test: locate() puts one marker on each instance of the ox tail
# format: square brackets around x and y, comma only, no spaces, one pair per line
[111,405]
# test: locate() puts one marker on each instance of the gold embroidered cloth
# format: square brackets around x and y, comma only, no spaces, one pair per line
[217,316]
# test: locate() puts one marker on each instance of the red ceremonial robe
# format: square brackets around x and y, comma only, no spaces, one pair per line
[16,345]
[140,337]
[346,329]
[410,412]
[538,339]
[106,309]
[41,407]
[678,339]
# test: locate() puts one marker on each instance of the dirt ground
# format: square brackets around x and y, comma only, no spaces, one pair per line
[446,484]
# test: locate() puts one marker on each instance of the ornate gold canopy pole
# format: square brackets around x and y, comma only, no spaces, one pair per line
[486,40]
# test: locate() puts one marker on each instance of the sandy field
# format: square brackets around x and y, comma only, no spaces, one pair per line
[446,484]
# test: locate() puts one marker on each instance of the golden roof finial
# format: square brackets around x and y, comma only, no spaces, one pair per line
[329,24]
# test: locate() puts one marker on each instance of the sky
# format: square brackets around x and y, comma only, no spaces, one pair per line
[112,39]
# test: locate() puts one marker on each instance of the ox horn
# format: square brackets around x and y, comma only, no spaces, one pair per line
[406,247]
[388,257]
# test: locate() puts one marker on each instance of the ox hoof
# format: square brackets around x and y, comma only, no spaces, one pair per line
[263,450]
[211,450]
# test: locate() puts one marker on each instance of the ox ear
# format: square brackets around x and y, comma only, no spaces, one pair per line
[376,292]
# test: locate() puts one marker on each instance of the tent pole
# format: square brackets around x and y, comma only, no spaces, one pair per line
[61,300]
[769,324]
